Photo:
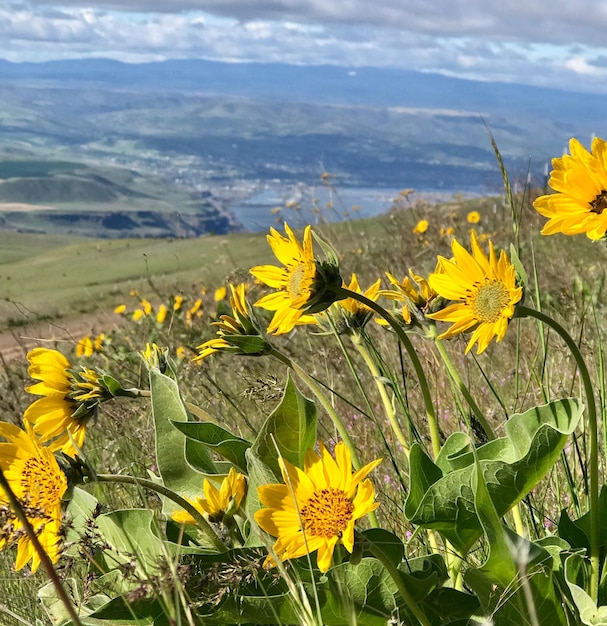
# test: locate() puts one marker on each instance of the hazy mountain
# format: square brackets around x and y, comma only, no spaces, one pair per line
[227,129]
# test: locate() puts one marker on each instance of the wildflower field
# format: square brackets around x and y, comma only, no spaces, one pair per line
[399,421]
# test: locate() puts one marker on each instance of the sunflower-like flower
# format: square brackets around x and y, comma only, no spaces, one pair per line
[355,313]
[414,290]
[70,399]
[39,484]
[580,180]
[483,289]
[302,283]
[216,502]
[318,506]
[236,333]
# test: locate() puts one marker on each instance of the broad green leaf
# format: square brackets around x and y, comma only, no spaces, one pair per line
[118,612]
[515,584]
[55,609]
[79,510]
[442,498]
[218,440]
[176,473]
[131,532]
[291,428]
[392,547]
[576,578]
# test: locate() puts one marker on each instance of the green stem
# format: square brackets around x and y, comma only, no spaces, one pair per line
[523,311]
[167,493]
[417,366]
[17,508]
[398,581]
[322,398]
[461,386]
[358,341]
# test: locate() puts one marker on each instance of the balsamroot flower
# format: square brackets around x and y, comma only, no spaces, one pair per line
[216,502]
[357,314]
[580,180]
[236,333]
[414,291]
[39,484]
[70,399]
[303,283]
[483,289]
[318,506]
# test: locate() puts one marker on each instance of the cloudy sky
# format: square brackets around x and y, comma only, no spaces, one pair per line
[556,43]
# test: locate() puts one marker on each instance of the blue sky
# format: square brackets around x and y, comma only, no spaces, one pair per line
[553,43]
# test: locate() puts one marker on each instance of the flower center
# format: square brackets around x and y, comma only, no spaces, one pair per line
[41,486]
[297,286]
[490,300]
[599,204]
[327,513]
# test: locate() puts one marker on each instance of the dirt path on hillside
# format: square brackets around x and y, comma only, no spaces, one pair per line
[64,332]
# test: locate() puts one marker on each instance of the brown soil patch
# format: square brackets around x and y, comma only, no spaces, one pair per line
[61,333]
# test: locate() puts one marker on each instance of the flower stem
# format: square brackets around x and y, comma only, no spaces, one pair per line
[417,366]
[167,493]
[460,384]
[358,341]
[398,581]
[322,398]
[523,311]
[17,508]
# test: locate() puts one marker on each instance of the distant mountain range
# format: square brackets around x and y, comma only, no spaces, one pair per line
[211,126]
[316,84]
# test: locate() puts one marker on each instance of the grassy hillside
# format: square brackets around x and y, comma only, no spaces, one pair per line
[53,275]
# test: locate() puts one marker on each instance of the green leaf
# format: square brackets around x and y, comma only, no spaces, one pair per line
[78,512]
[55,608]
[289,431]
[576,578]
[176,473]
[392,547]
[218,440]
[521,274]
[515,584]
[131,532]
[442,497]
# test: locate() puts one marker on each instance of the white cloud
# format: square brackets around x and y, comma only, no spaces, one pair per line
[546,42]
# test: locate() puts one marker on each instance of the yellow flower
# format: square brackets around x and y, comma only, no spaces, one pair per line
[357,313]
[299,283]
[216,502]
[474,217]
[120,309]
[84,347]
[421,227]
[146,306]
[483,289]
[580,178]
[161,314]
[237,325]
[415,292]
[220,294]
[177,302]
[180,352]
[318,506]
[60,417]
[37,481]
[138,314]
[446,231]
[98,342]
